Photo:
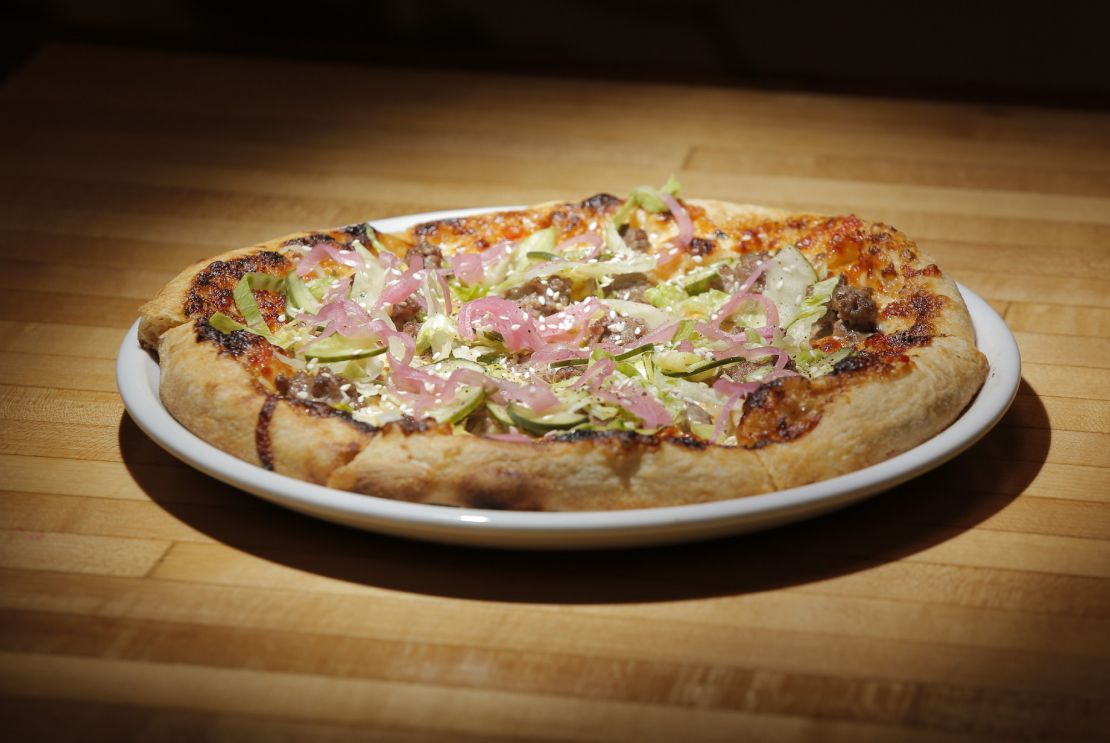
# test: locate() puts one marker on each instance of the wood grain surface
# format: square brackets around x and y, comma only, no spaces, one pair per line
[140,599]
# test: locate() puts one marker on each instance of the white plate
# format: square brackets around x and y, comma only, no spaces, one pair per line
[137,377]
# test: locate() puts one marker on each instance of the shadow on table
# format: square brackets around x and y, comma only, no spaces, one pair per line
[899,523]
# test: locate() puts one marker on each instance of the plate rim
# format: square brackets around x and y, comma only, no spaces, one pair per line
[137,376]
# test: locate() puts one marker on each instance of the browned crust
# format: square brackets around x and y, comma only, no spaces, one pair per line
[219,398]
[882,415]
[911,380]
[603,473]
[205,286]
[169,307]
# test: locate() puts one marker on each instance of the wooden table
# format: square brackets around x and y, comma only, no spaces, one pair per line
[141,599]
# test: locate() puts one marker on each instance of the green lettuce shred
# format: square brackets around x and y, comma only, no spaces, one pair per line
[646,198]
[248,307]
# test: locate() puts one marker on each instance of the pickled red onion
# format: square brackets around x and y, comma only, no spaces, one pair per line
[662,334]
[338,292]
[468,267]
[533,396]
[601,370]
[737,391]
[592,238]
[403,288]
[348,318]
[681,218]
[636,400]
[320,251]
[557,352]
[712,328]
[730,387]
[516,327]
[753,277]
[570,324]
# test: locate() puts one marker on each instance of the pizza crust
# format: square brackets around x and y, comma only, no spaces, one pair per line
[167,309]
[592,475]
[216,398]
[881,417]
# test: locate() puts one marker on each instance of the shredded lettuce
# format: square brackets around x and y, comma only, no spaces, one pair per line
[812,308]
[319,286]
[651,316]
[666,295]
[646,198]
[299,295]
[614,243]
[703,305]
[225,324]
[813,362]
[700,280]
[245,301]
[462,292]
[368,281]
[437,334]
[577,271]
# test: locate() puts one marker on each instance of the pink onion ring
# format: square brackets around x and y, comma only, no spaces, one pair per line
[320,251]
[506,317]
[681,218]
[468,267]
[753,277]
[601,370]
[637,401]
[662,334]
[737,392]
[557,352]
[570,324]
[591,238]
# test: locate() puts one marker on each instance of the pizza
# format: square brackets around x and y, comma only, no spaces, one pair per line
[602,354]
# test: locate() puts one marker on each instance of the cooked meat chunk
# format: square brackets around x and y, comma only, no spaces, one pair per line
[855,307]
[406,315]
[480,423]
[635,238]
[852,314]
[740,371]
[623,331]
[567,372]
[629,287]
[321,387]
[701,246]
[601,202]
[432,255]
[542,297]
[732,276]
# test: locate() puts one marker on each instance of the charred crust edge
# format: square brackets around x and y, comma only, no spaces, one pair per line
[238,343]
[600,201]
[211,288]
[241,344]
[263,445]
